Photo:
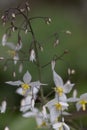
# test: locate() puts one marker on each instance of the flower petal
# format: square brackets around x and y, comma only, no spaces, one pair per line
[68,87]
[66,127]
[57,79]
[14,83]
[27,77]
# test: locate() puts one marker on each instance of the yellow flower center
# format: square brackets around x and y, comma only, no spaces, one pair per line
[12,53]
[43,124]
[58,106]
[25,87]
[83,103]
[60,128]
[59,90]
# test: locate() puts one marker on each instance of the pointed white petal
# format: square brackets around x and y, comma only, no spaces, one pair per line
[29,114]
[19,91]
[61,98]
[57,125]
[68,87]
[27,77]
[35,84]
[14,83]
[84,96]
[57,79]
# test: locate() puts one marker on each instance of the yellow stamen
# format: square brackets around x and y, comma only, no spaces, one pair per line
[12,53]
[83,103]
[60,128]
[43,124]
[25,87]
[59,90]
[58,106]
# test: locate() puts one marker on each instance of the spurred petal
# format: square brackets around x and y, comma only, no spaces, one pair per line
[27,77]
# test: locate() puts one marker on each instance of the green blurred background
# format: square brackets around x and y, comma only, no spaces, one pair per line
[66,15]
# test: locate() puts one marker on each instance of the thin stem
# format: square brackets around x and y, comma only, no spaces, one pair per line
[57,57]
[36,50]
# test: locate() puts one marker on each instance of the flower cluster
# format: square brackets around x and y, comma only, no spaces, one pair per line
[52,113]
[48,112]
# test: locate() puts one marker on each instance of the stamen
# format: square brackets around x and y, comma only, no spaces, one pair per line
[83,103]
[59,90]
[25,87]
[58,106]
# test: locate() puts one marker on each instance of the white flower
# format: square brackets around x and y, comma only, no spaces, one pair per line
[82,102]
[3,106]
[61,126]
[4,39]
[6,128]
[61,88]
[55,108]
[26,85]
[39,116]
[32,55]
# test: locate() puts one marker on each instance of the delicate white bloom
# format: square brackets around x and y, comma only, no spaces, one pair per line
[61,126]
[4,39]
[3,106]
[42,122]
[14,49]
[32,55]
[26,85]
[6,128]
[60,86]
[82,102]
[55,108]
